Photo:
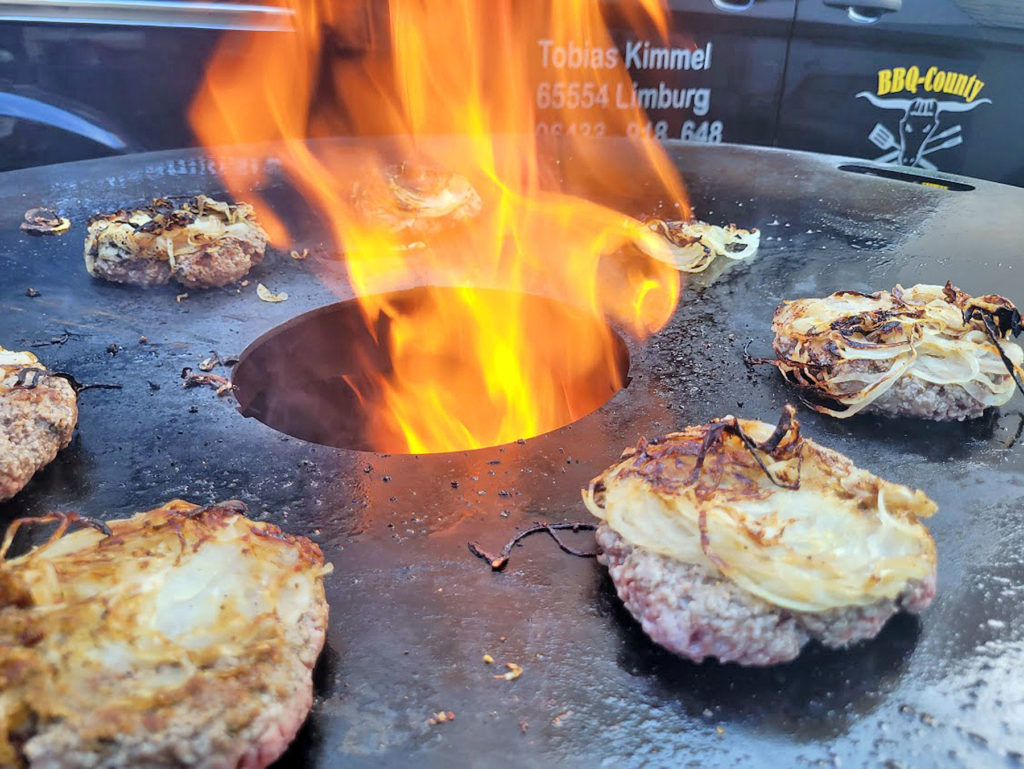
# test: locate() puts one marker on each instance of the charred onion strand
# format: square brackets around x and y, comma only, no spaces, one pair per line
[993,334]
[499,562]
[31,377]
[216,381]
[718,428]
[1019,432]
[716,431]
[65,521]
[60,340]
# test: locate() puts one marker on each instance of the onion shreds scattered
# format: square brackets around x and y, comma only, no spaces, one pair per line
[693,246]
[783,518]
[927,351]
[267,295]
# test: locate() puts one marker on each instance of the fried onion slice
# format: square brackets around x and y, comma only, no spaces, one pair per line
[694,246]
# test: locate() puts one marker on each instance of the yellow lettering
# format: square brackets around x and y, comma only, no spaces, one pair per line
[913,78]
[975,91]
[933,80]
[884,81]
[929,77]
[898,76]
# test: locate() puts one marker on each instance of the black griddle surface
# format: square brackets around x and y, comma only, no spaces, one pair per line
[412,612]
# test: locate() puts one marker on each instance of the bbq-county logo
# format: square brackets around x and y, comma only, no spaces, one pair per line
[926,125]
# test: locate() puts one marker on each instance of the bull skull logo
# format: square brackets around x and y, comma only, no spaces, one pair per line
[919,133]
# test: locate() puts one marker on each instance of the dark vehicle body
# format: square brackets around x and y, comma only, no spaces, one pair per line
[930,84]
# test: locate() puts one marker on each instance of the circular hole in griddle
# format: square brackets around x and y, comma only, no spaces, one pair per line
[317,377]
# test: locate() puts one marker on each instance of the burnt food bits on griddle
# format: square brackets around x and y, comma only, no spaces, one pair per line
[932,352]
[38,413]
[200,242]
[182,636]
[416,202]
[694,246]
[741,541]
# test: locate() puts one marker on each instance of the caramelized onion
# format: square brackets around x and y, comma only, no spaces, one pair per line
[846,350]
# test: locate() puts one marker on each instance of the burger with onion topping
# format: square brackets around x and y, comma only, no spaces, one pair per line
[742,542]
[932,352]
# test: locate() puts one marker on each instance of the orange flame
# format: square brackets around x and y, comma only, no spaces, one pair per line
[464,89]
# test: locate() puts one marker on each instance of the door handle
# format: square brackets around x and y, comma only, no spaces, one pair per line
[733,6]
[866,11]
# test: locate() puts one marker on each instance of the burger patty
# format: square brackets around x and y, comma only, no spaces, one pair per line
[930,352]
[37,420]
[909,396]
[691,611]
[180,637]
[201,243]
[221,727]
[914,397]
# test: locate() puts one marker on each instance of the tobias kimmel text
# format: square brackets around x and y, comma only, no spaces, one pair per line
[580,102]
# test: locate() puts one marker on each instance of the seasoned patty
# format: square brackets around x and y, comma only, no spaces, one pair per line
[689,610]
[201,243]
[920,399]
[38,413]
[180,637]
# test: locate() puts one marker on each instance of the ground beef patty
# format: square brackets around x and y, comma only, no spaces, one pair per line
[692,612]
[909,396]
[200,242]
[741,541]
[38,413]
[180,637]
[928,352]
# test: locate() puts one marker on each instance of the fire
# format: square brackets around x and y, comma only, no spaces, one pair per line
[443,98]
